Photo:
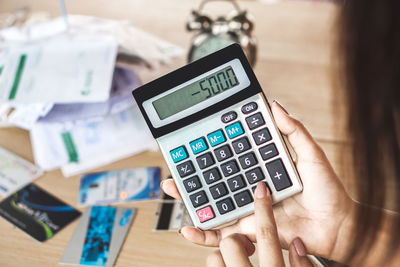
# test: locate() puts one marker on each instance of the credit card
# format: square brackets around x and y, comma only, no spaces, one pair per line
[119,186]
[99,236]
[15,172]
[36,212]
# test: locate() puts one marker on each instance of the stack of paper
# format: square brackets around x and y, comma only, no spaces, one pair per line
[63,84]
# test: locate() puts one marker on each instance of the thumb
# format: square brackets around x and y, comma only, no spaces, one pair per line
[298,254]
[304,145]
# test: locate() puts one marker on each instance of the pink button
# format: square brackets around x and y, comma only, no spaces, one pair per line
[205,214]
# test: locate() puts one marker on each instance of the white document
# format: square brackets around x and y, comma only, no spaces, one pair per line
[15,172]
[80,147]
[62,69]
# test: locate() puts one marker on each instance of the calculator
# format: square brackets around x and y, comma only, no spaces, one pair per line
[216,132]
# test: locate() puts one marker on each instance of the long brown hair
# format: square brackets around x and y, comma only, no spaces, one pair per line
[370,49]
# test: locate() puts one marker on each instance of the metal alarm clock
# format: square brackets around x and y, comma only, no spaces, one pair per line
[215,34]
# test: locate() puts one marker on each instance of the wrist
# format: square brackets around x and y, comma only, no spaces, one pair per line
[345,232]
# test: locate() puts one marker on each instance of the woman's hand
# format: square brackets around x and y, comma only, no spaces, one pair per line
[320,215]
[235,249]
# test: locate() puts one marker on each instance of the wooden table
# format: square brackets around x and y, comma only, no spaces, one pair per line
[294,41]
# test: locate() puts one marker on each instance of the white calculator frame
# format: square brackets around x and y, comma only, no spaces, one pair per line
[199,122]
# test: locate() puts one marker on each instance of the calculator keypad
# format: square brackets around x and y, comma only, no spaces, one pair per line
[230,165]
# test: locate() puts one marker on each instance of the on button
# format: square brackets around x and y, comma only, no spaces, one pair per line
[250,107]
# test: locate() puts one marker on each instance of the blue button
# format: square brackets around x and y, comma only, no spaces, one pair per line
[234,130]
[216,138]
[178,154]
[198,145]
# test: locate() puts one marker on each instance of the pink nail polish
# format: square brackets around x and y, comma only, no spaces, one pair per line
[279,104]
[261,190]
[299,246]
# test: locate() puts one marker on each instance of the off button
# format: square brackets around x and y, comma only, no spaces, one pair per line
[228,117]
[250,107]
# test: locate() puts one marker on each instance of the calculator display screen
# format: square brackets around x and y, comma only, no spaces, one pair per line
[196,92]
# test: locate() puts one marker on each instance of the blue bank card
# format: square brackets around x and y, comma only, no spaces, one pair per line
[119,186]
[99,236]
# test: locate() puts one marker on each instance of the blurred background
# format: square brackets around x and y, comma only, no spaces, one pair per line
[67,70]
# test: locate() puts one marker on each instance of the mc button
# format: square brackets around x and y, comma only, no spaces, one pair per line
[178,154]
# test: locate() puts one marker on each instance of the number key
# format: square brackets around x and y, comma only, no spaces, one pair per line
[212,175]
[223,153]
[248,160]
[225,205]
[205,160]
[218,190]
[241,145]
[236,183]
[254,175]
[229,168]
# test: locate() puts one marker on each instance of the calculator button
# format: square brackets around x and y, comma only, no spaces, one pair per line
[268,151]
[250,107]
[228,117]
[218,190]
[262,136]
[236,183]
[255,121]
[229,168]
[241,145]
[216,138]
[198,145]
[192,184]
[278,174]
[223,153]
[205,160]
[248,160]
[185,169]
[178,154]
[198,198]
[243,198]
[212,176]
[205,214]
[225,205]
[254,175]
[234,130]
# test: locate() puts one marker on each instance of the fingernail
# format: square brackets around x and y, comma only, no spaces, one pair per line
[261,190]
[279,104]
[162,183]
[180,232]
[299,246]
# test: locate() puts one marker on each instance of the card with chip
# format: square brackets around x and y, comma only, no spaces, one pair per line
[171,215]
[15,172]
[37,213]
[119,186]
[99,236]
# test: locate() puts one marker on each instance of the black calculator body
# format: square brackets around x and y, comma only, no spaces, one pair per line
[216,132]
